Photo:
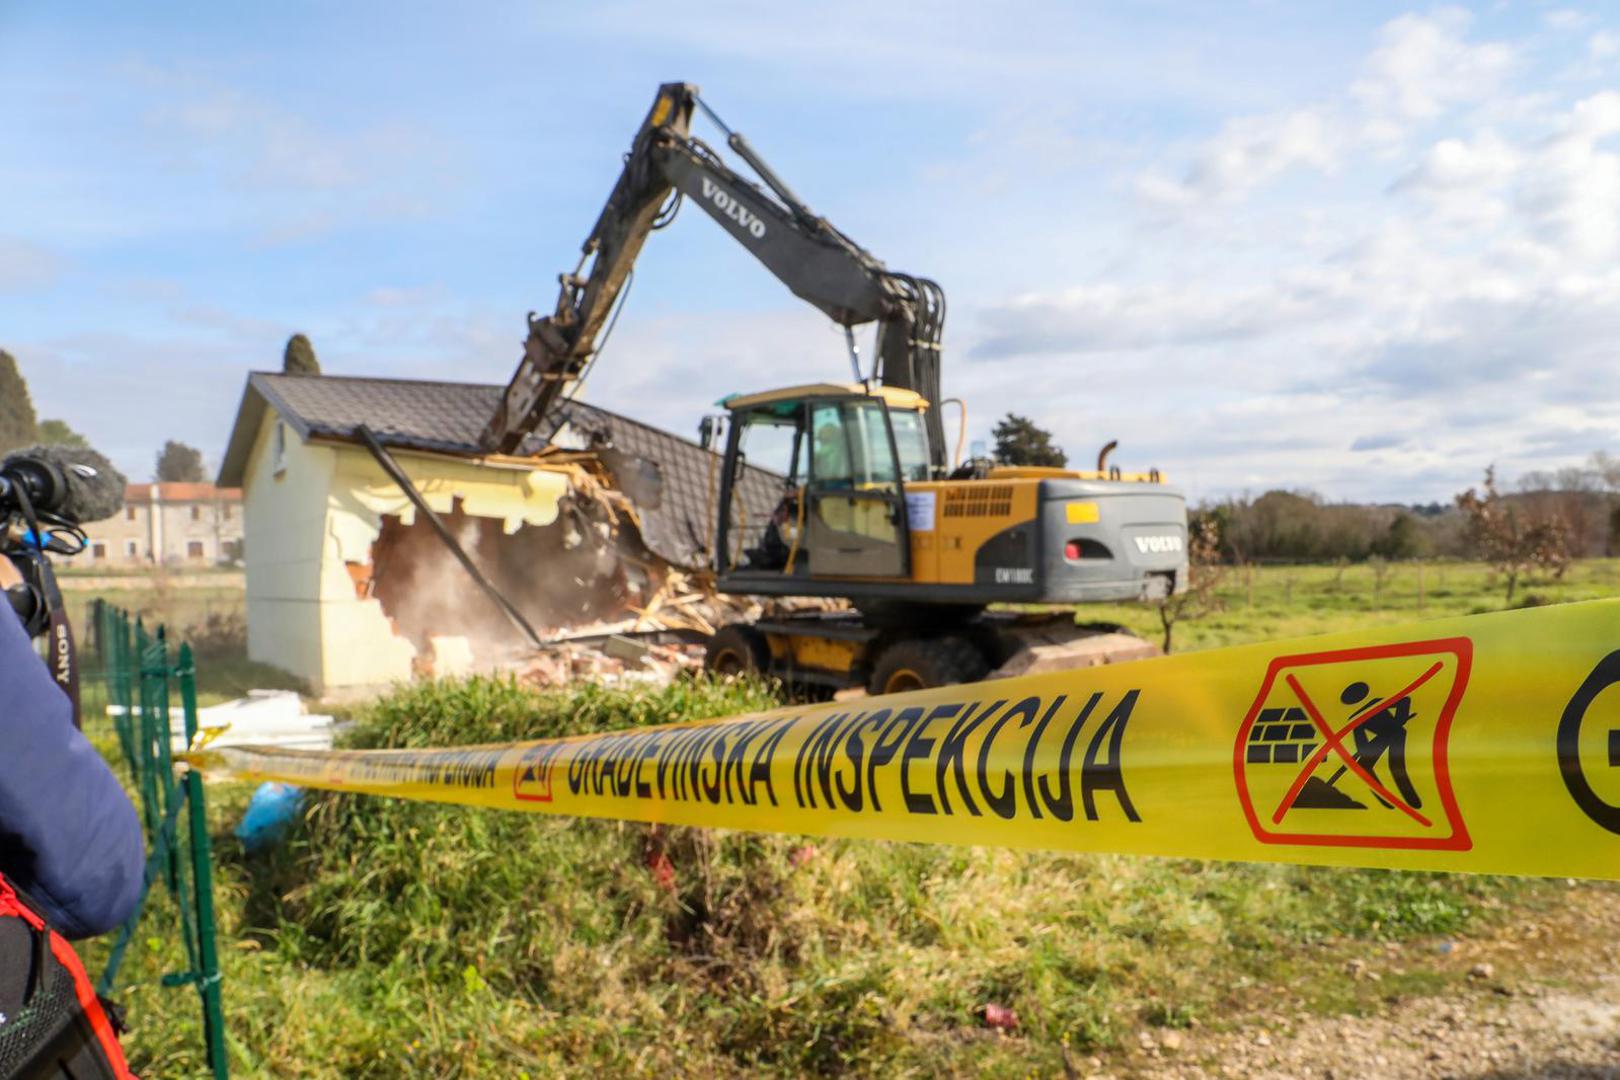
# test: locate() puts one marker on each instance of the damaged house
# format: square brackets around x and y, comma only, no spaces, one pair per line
[347,586]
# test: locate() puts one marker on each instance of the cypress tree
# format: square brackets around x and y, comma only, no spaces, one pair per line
[179,463]
[299,358]
[19,426]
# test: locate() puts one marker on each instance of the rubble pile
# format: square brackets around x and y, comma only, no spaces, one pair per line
[616,587]
[657,643]
[615,659]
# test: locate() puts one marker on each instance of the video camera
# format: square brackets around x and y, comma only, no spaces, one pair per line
[46,494]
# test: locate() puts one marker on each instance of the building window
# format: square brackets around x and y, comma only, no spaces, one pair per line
[278,449]
[196,512]
[130,548]
[226,511]
[129,513]
[98,551]
[194,549]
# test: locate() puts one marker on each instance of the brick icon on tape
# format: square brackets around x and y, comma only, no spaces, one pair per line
[1349,748]
[531,776]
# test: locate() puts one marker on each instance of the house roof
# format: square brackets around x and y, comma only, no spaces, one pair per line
[448,417]
[173,491]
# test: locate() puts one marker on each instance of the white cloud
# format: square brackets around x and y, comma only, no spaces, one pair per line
[1569,19]
[1436,303]
[1454,163]
[1423,66]
[26,266]
[300,176]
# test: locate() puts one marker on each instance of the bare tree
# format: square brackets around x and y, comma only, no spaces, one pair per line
[1512,537]
[1205,572]
[1381,569]
[1340,565]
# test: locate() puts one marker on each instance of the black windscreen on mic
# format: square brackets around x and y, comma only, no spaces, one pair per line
[76,482]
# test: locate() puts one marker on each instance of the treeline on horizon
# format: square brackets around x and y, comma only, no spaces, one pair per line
[1300,526]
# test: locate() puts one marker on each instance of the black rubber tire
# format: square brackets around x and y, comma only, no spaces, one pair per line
[922,663]
[738,649]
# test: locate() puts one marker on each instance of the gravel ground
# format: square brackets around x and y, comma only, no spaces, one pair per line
[1539,999]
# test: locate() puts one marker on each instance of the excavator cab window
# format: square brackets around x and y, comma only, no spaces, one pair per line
[771,440]
[775,443]
[911,440]
[840,511]
[854,526]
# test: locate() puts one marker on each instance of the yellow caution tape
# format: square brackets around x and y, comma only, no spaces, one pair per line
[1489,743]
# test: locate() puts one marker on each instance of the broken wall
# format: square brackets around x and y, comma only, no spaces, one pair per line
[314,512]
[585,567]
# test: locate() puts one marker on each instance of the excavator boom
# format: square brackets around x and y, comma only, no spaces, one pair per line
[813,259]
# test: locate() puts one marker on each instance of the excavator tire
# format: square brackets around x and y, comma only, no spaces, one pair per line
[921,663]
[738,649]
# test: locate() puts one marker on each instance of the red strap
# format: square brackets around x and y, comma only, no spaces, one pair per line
[10,904]
[83,988]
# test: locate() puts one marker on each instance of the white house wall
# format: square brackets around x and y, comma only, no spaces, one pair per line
[323,510]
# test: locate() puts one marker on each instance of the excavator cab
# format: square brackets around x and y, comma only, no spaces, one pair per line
[829,490]
[836,458]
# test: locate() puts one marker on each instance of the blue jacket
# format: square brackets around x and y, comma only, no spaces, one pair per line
[69,836]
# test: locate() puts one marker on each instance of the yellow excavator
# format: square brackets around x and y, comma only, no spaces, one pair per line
[860,500]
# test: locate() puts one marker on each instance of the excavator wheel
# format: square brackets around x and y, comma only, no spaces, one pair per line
[921,663]
[738,649]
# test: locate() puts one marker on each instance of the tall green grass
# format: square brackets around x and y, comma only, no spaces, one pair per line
[387,938]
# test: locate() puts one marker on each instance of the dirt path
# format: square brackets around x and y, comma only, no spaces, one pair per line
[1540,998]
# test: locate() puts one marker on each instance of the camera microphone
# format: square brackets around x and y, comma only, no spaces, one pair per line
[63,481]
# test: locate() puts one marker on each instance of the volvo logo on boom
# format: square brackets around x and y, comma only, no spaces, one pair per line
[1158,545]
[733,209]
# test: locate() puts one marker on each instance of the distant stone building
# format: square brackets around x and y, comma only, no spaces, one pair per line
[172,524]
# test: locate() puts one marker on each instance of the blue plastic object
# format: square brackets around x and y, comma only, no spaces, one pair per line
[269,814]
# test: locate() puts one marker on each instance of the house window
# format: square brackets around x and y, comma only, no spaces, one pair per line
[196,512]
[278,449]
[130,549]
[98,551]
[194,549]
[129,513]
[226,511]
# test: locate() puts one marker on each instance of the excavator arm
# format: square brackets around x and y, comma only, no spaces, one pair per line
[813,259]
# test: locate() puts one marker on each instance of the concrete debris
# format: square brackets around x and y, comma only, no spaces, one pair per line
[568,661]
[264,717]
[1060,649]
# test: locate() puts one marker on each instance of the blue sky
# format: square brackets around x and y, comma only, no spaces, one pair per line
[1362,249]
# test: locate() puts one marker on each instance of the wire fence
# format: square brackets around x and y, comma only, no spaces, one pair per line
[141,676]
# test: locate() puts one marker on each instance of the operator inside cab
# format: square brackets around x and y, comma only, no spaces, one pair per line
[850,460]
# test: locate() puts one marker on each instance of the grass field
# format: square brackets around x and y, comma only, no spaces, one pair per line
[395,939]
[1262,603]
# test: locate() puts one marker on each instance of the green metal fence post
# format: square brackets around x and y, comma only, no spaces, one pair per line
[145,773]
[138,675]
[163,750]
[119,695]
[208,972]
